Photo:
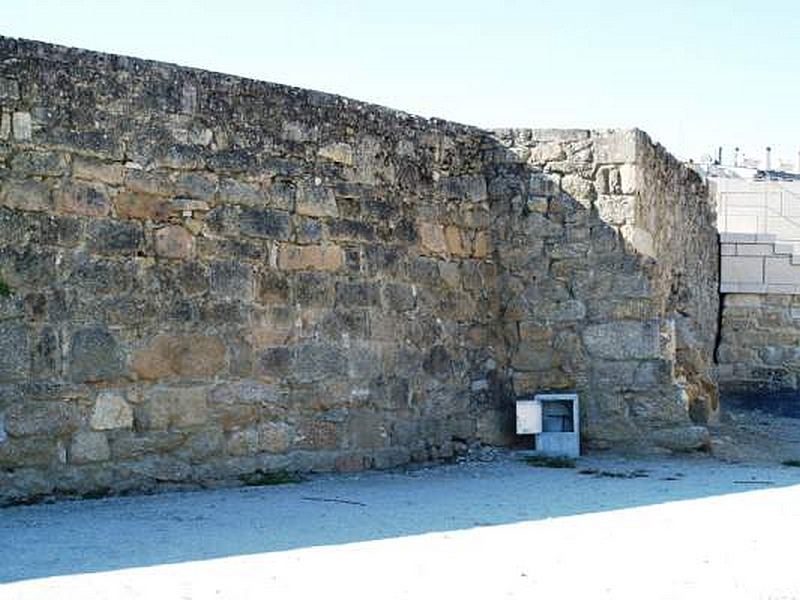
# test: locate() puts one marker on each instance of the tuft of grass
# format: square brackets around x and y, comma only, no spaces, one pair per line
[551,462]
[261,477]
[5,289]
[791,462]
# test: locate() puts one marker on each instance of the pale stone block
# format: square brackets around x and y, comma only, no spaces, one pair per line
[5,126]
[742,269]
[432,237]
[779,270]
[337,152]
[640,239]
[782,288]
[617,146]
[22,126]
[111,411]
[782,248]
[728,249]
[754,249]
[92,169]
[627,175]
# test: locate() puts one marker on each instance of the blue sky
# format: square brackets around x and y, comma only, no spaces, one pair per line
[695,75]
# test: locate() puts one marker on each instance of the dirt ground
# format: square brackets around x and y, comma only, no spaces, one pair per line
[692,526]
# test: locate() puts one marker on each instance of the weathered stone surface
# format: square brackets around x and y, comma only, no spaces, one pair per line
[91,169]
[432,238]
[316,200]
[14,351]
[322,257]
[623,340]
[173,408]
[27,194]
[33,162]
[137,205]
[42,418]
[88,447]
[81,199]
[264,223]
[110,236]
[111,411]
[174,241]
[95,355]
[172,355]
[337,152]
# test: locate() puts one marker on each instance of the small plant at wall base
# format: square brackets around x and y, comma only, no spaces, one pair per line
[5,289]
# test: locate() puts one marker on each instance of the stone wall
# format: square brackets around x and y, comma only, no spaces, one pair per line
[212,277]
[760,343]
[609,279]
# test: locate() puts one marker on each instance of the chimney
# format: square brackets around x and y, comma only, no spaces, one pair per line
[736,156]
[768,165]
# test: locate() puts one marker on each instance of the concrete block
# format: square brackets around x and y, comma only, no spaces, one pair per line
[728,237]
[780,270]
[742,269]
[754,249]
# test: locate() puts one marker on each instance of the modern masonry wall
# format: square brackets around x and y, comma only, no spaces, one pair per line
[211,276]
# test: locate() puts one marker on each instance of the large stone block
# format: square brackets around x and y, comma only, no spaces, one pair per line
[42,418]
[112,236]
[14,351]
[136,205]
[90,200]
[173,408]
[265,223]
[317,362]
[27,194]
[316,200]
[323,257]
[94,355]
[91,169]
[88,447]
[174,241]
[111,411]
[179,355]
[623,340]
[35,162]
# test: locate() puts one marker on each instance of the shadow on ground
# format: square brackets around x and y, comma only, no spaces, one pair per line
[116,533]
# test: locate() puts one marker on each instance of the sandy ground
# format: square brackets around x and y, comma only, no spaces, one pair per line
[614,527]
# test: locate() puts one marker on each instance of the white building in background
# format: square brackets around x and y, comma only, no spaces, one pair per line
[758,218]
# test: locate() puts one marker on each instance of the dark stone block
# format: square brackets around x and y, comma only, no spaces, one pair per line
[351,230]
[274,362]
[108,236]
[273,288]
[357,293]
[313,362]
[100,275]
[94,355]
[52,230]
[438,362]
[399,297]
[46,359]
[313,289]
[232,279]
[264,222]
